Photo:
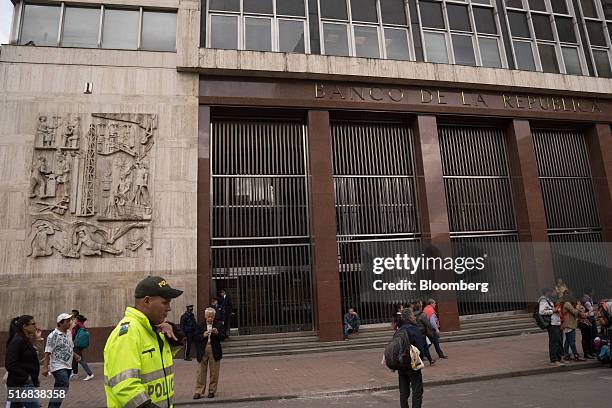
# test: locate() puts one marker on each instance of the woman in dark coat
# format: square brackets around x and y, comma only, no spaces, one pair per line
[21,359]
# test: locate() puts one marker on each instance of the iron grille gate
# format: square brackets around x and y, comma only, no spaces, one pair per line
[481,214]
[573,224]
[260,244]
[375,206]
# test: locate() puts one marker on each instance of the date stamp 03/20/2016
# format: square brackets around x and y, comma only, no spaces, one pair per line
[29,394]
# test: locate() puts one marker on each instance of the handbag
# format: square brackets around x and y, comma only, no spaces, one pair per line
[415,358]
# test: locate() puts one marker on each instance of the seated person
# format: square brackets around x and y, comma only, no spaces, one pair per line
[351,322]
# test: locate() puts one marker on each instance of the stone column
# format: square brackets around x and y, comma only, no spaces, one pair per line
[328,313]
[536,258]
[433,213]
[203,273]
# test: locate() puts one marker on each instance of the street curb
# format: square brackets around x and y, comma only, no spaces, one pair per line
[434,383]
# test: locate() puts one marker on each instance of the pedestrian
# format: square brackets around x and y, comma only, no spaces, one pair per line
[585,331]
[225,303]
[74,313]
[548,311]
[351,323]
[138,353]
[81,342]
[589,305]
[59,352]
[430,312]
[208,338]
[409,378]
[426,329]
[569,323]
[21,359]
[188,326]
[397,317]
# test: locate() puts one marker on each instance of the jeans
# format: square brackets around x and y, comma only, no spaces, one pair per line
[555,343]
[29,404]
[351,329]
[570,341]
[83,363]
[435,339]
[62,381]
[410,379]
[587,340]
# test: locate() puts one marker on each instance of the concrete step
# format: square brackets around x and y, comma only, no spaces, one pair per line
[246,341]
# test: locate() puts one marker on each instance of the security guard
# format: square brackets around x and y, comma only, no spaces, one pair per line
[138,353]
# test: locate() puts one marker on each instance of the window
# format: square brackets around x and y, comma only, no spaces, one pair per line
[365,28]
[258,25]
[40,25]
[464,34]
[129,29]
[596,21]
[544,36]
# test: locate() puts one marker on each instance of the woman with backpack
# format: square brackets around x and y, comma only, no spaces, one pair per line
[21,359]
[81,342]
[569,323]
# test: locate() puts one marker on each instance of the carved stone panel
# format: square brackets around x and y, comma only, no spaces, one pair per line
[90,191]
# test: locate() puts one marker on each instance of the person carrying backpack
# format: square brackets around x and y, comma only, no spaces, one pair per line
[552,323]
[398,357]
[81,342]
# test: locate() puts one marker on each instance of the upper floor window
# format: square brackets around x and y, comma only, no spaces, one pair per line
[97,27]
[462,32]
[544,36]
[597,20]
[260,25]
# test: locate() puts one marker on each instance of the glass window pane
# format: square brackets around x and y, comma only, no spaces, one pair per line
[514,3]
[572,61]
[538,5]
[81,27]
[565,29]
[588,8]
[458,17]
[40,25]
[224,32]
[548,57]
[335,39]
[120,29]
[333,9]
[607,9]
[158,31]
[258,6]
[464,50]
[542,27]
[559,6]
[291,36]
[518,24]
[364,10]
[431,14]
[366,42]
[524,56]
[224,5]
[596,34]
[258,34]
[291,8]
[602,62]
[489,52]
[393,12]
[485,22]
[481,1]
[396,43]
[435,46]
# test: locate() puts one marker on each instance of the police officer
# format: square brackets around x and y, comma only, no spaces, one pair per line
[138,354]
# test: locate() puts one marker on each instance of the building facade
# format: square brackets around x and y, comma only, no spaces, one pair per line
[260,145]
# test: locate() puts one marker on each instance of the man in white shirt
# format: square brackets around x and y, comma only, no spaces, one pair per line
[58,356]
[548,311]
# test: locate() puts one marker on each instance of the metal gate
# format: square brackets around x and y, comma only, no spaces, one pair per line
[260,244]
[574,231]
[375,206]
[481,214]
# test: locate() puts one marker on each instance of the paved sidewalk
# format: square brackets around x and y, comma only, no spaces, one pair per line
[258,378]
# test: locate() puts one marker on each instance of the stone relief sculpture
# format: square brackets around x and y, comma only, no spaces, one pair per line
[88,190]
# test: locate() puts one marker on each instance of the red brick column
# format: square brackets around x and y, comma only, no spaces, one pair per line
[433,212]
[599,144]
[328,313]
[529,208]
[203,272]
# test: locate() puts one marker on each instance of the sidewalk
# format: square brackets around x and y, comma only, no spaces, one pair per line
[260,378]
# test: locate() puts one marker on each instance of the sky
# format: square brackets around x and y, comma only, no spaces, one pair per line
[6,14]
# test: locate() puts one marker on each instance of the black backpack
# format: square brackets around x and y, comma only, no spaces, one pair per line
[542,321]
[397,355]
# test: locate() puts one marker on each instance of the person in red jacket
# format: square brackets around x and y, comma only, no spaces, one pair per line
[430,313]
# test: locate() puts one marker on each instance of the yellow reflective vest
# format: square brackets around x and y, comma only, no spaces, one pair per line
[138,364]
